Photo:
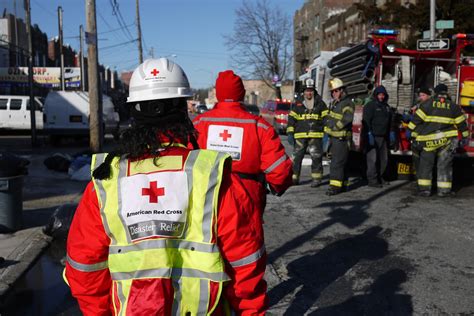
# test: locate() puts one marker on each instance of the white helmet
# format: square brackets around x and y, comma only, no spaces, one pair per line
[158,79]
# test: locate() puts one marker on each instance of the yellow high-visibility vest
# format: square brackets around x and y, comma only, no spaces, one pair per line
[189,256]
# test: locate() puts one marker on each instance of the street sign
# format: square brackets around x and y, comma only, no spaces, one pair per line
[437,44]
[444,24]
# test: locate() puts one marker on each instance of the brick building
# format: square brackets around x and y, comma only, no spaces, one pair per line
[344,29]
[308,29]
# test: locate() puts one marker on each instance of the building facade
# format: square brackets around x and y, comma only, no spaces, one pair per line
[308,33]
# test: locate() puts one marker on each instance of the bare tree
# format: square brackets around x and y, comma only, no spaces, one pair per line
[261,42]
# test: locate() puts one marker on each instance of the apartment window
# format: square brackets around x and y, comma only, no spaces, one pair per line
[316,47]
[316,22]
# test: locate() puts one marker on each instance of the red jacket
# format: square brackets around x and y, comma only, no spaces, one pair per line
[239,234]
[261,151]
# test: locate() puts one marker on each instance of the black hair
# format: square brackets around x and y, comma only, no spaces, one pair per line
[157,124]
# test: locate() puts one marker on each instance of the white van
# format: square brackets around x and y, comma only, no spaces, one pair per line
[66,113]
[15,112]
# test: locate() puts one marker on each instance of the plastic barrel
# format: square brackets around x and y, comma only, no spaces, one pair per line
[11,203]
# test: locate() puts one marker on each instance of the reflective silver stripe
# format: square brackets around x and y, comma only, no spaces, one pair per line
[203,297]
[263,126]
[121,299]
[155,85]
[276,164]
[225,119]
[170,273]
[176,308]
[123,167]
[208,211]
[103,199]
[188,168]
[164,243]
[249,259]
[87,267]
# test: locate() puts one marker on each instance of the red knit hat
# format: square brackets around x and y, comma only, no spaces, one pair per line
[229,87]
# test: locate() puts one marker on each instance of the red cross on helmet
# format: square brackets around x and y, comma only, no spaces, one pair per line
[157,79]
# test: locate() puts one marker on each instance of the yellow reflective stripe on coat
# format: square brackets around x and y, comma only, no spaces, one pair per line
[308,116]
[309,135]
[434,119]
[324,113]
[335,115]
[290,129]
[332,133]
[191,261]
[411,125]
[465,134]
[435,136]
[459,119]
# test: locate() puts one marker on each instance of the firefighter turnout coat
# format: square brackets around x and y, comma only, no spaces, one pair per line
[176,238]
[436,122]
[306,123]
[258,155]
[339,119]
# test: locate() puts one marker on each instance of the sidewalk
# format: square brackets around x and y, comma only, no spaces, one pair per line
[44,190]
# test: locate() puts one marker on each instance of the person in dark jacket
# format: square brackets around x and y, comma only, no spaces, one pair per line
[377,118]
[305,132]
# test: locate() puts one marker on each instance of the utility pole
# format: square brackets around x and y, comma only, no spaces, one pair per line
[81,57]
[152,52]
[139,31]
[432,19]
[61,54]
[95,106]
[30,74]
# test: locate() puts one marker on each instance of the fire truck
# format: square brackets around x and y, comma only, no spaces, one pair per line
[380,62]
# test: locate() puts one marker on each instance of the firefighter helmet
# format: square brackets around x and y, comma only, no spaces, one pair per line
[335,83]
[157,79]
[309,84]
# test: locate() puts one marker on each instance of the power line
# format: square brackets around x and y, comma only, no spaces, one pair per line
[120,44]
[118,15]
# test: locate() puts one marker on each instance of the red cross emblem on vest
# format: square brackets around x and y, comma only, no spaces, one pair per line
[153,192]
[154,72]
[225,135]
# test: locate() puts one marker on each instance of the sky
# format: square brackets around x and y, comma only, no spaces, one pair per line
[188,31]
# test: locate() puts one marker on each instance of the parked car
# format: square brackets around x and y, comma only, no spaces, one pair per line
[276,113]
[15,112]
[201,108]
[253,109]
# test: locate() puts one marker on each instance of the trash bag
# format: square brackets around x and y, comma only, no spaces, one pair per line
[60,221]
[58,162]
[78,163]
[12,165]
[83,174]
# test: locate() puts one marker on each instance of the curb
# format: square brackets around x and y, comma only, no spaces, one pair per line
[22,258]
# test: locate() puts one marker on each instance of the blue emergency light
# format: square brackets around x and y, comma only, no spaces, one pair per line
[385,32]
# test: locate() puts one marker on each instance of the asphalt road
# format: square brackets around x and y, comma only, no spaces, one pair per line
[364,252]
[370,251]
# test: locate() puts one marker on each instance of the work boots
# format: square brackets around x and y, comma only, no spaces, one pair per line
[315,183]
[333,191]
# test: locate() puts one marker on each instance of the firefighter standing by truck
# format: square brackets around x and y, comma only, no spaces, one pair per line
[162,229]
[339,128]
[435,128]
[305,132]
[258,155]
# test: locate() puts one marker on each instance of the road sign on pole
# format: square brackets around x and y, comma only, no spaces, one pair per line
[437,44]
[444,24]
